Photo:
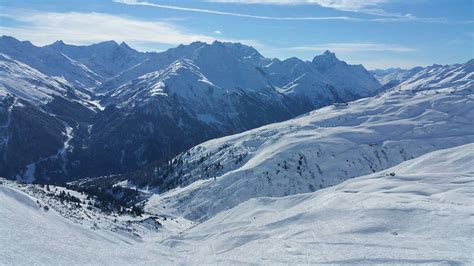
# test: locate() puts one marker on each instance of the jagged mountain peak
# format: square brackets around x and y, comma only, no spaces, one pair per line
[58,43]
[218,48]
[91,48]
[293,60]
[329,53]
[125,45]
[354,79]
[326,60]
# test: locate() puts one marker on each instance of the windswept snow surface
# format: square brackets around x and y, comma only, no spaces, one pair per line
[417,212]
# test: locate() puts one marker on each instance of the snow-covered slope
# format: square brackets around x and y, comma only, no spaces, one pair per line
[417,212]
[448,77]
[22,81]
[29,234]
[420,211]
[316,150]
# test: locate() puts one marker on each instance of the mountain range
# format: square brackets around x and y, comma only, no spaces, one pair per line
[75,111]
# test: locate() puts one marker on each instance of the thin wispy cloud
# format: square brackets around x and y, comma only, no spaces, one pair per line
[370,6]
[351,48]
[82,28]
[339,4]
[342,5]
[234,14]
[43,28]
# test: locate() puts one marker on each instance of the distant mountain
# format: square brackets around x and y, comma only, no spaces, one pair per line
[439,77]
[354,80]
[391,77]
[105,59]
[430,111]
[144,107]
[37,114]
[49,62]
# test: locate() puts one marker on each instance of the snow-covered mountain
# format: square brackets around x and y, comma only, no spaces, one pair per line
[435,76]
[106,59]
[354,80]
[28,83]
[151,106]
[49,62]
[212,90]
[319,149]
[455,77]
[37,113]
[391,77]
[419,211]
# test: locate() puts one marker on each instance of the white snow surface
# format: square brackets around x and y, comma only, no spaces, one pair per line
[417,212]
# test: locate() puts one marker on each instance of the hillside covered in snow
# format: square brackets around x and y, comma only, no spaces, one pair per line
[419,211]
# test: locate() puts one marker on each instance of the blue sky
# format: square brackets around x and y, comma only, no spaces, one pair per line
[375,33]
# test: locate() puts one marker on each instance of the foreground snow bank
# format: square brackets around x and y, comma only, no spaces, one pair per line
[30,235]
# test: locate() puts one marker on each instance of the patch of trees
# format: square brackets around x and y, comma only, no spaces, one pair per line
[63,196]
[109,198]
